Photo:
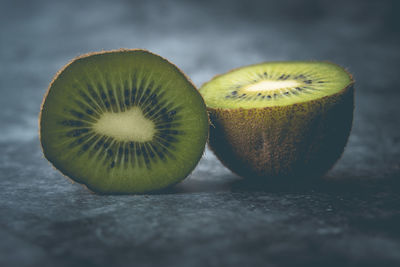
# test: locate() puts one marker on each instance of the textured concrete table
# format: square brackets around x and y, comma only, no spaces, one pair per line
[213,218]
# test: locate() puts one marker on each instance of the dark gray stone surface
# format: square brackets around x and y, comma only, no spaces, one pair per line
[351,218]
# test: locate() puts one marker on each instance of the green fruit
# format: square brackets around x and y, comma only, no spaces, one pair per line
[125,121]
[280,119]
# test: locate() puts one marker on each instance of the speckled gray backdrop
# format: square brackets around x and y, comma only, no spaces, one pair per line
[212,218]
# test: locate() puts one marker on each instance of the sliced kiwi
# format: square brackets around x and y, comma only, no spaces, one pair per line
[125,121]
[280,119]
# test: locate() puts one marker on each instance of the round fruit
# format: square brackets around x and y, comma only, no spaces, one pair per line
[280,119]
[125,121]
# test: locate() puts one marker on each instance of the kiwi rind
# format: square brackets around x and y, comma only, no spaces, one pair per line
[301,140]
[92,187]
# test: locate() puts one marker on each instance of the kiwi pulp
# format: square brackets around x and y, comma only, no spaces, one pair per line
[123,121]
[280,119]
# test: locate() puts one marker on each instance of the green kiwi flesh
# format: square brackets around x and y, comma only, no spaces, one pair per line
[123,122]
[280,119]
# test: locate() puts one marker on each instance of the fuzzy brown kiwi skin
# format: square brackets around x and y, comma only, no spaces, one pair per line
[298,141]
[64,172]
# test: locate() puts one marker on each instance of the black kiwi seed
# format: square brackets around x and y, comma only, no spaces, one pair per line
[170,138]
[83,94]
[164,126]
[99,143]
[93,93]
[153,99]
[269,97]
[110,92]
[72,123]
[234,93]
[90,90]
[145,156]
[133,95]
[137,154]
[308,81]
[286,93]
[112,164]
[151,112]
[112,98]
[139,91]
[80,104]
[106,144]
[298,89]
[81,140]
[126,92]
[138,150]
[259,94]
[77,114]
[167,131]
[151,153]
[150,86]
[78,132]
[164,143]
[147,97]
[133,155]
[85,147]
[159,153]
[167,119]
[146,110]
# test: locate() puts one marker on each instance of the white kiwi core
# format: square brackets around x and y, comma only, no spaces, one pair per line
[270,85]
[129,125]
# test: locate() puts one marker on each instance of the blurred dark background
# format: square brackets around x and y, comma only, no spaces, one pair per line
[213,218]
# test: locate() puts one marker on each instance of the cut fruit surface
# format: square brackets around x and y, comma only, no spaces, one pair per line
[125,121]
[274,84]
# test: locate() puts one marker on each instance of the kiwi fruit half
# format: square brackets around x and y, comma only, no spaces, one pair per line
[280,119]
[123,121]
